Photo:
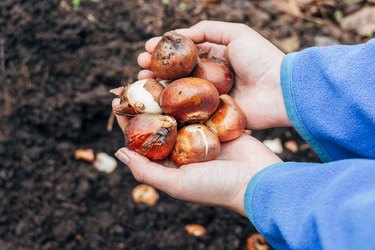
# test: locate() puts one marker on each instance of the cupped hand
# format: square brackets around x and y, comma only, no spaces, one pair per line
[255,61]
[221,182]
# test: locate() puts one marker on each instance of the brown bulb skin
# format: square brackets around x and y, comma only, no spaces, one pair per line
[228,122]
[195,143]
[216,71]
[190,100]
[175,56]
[123,108]
[151,135]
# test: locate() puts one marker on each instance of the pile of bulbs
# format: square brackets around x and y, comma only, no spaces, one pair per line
[187,112]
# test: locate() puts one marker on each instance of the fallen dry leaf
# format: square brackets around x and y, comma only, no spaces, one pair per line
[362,21]
[289,7]
[288,44]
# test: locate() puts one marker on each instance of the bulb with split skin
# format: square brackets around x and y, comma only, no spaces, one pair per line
[195,143]
[142,96]
[151,135]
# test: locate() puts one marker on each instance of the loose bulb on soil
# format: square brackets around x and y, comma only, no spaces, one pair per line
[145,194]
[228,122]
[195,143]
[190,100]
[216,71]
[175,56]
[151,135]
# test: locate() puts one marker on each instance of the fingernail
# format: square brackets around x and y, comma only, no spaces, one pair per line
[122,156]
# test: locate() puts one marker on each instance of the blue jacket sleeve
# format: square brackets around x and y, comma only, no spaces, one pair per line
[315,206]
[329,93]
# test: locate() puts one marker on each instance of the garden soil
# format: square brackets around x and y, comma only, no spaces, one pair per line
[58,59]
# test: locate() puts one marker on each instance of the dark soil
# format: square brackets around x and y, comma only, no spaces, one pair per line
[56,66]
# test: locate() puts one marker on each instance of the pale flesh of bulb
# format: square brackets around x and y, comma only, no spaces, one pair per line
[141,99]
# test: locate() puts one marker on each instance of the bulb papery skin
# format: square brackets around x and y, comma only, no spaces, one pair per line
[123,108]
[175,56]
[216,71]
[228,122]
[144,96]
[151,135]
[195,143]
[190,100]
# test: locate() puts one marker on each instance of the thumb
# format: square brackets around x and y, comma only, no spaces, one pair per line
[221,33]
[151,173]
[214,31]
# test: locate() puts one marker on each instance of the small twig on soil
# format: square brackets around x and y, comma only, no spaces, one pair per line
[315,20]
[26,73]
[111,120]
[321,9]
[2,55]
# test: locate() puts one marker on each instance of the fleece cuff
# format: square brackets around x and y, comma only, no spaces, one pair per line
[291,108]
[251,189]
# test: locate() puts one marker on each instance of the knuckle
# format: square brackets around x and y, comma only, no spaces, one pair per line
[203,23]
[139,176]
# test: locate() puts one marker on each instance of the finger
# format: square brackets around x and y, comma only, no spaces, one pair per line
[144,60]
[121,120]
[213,31]
[150,173]
[145,74]
[151,44]
[212,49]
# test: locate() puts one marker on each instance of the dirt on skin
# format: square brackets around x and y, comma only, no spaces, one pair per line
[57,63]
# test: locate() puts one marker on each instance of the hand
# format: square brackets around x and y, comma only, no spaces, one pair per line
[256,63]
[221,182]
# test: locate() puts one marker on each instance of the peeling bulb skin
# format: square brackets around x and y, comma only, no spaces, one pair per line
[228,122]
[195,143]
[123,108]
[175,56]
[216,71]
[151,135]
[190,100]
[144,96]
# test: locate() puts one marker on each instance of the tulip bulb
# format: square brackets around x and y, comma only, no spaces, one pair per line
[195,143]
[190,100]
[228,122]
[151,135]
[175,56]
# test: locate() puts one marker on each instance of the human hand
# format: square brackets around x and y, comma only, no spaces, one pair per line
[221,182]
[255,61]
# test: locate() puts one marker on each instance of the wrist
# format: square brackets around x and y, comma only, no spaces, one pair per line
[269,97]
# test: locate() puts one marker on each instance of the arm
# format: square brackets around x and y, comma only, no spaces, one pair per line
[329,93]
[315,206]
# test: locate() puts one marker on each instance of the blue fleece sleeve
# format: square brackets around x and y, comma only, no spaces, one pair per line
[329,93]
[315,206]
